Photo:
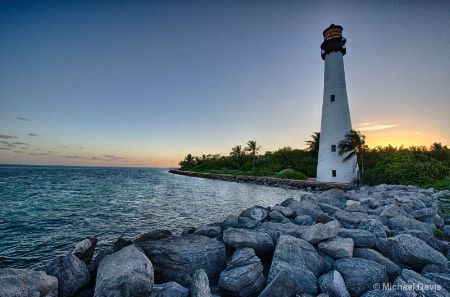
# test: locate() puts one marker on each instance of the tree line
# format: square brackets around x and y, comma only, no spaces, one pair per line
[415,165]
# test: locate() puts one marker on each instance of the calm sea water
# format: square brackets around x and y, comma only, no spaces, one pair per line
[46,210]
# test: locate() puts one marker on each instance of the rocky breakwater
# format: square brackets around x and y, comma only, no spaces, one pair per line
[369,242]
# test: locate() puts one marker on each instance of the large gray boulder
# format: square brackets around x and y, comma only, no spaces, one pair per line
[439,245]
[177,258]
[200,284]
[333,284]
[318,232]
[243,275]
[383,293]
[360,275]
[255,213]
[209,231]
[418,285]
[285,211]
[290,254]
[22,282]
[305,208]
[276,229]
[392,269]
[260,242]
[361,238]
[125,273]
[170,289]
[424,215]
[283,285]
[374,226]
[337,247]
[84,250]
[406,224]
[71,272]
[349,219]
[409,250]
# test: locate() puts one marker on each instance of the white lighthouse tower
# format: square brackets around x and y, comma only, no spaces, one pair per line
[336,121]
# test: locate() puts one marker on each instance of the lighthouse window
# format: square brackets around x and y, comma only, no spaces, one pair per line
[333,173]
[333,98]
[333,148]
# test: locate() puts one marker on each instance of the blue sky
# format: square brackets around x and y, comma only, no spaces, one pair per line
[143,83]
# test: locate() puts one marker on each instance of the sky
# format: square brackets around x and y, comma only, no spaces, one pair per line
[144,83]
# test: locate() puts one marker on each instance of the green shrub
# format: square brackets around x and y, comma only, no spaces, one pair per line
[291,174]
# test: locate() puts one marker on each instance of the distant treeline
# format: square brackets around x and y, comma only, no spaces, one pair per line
[415,165]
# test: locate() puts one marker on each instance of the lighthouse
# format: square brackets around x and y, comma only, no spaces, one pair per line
[336,121]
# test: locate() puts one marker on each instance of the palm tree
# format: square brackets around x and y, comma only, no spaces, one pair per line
[313,145]
[353,145]
[236,152]
[253,149]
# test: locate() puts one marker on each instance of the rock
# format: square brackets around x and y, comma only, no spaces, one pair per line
[405,224]
[156,234]
[328,208]
[238,238]
[276,215]
[71,272]
[84,250]
[231,221]
[349,219]
[255,213]
[355,208]
[283,285]
[446,230]
[170,289]
[418,285]
[442,279]
[360,275]
[438,245]
[300,260]
[383,293]
[303,220]
[438,222]
[22,282]
[318,232]
[285,211]
[351,203]
[275,229]
[177,258]
[117,246]
[243,275]
[392,269]
[361,238]
[373,226]
[305,208]
[337,247]
[333,284]
[409,250]
[200,284]
[127,272]
[393,211]
[209,231]
[424,215]
[323,218]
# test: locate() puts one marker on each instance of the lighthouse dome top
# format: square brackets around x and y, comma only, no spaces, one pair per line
[333,31]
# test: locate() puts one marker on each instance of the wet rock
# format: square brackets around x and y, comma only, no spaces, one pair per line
[333,284]
[360,275]
[71,272]
[22,282]
[318,232]
[156,234]
[84,250]
[200,284]
[238,238]
[209,231]
[125,273]
[409,250]
[337,247]
[177,258]
[243,275]
[170,289]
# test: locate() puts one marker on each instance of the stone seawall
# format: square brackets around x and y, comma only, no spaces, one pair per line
[268,181]
[371,242]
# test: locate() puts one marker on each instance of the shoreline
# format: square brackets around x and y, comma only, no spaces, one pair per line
[307,185]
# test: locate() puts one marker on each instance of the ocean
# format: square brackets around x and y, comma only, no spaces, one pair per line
[46,210]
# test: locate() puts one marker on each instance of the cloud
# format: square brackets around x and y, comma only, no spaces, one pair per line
[23,119]
[374,126]
[20,143]
[40,154]
[106,158]
[32,134]
[7,136]
[114,158]
[5,149]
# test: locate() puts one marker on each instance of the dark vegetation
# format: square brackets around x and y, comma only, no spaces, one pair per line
[417,165]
